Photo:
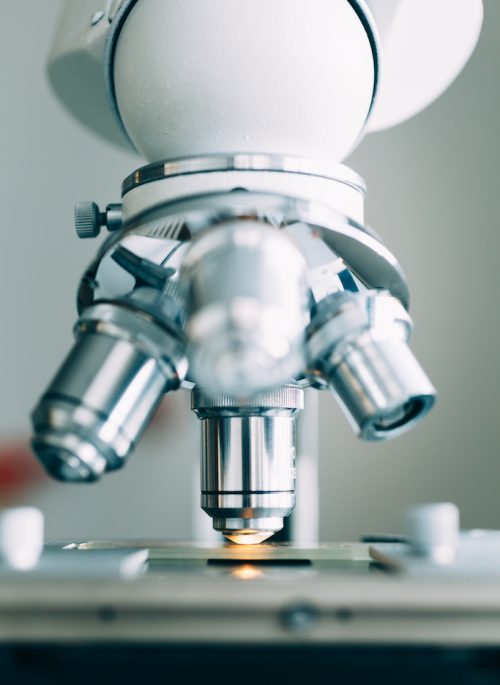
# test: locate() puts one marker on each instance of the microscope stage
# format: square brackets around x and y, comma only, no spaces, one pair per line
[175,593]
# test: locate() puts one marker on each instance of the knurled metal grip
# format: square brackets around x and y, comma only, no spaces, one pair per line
[288,397]
[89,219]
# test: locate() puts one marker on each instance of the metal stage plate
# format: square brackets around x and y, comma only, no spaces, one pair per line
[229,595]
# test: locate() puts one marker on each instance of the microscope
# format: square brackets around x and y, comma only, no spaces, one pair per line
[238,264]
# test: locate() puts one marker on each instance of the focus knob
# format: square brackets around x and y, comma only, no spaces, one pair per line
[89,219]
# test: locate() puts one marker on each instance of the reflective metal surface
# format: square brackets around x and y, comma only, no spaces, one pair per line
[236,292]
[246,301]
[358,345]
[242,162]
[359,246]
[247,467]
[106,392]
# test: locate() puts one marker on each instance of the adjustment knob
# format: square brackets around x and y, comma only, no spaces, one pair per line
[433,531]
[89,219]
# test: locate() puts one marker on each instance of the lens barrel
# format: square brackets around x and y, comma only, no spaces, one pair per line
[106,392]
[248,460]
[357,345]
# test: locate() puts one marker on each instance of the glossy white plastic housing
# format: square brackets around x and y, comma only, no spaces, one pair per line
[424,45]
[433,530]
[272,76]
[21,537]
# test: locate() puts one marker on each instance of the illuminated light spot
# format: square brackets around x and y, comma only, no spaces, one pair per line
[248,537]
[247,572]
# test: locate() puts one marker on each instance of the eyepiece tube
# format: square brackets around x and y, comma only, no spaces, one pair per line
[248,461]
[106,392]
[358,345]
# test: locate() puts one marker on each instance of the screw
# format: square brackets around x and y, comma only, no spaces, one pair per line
[96,17]
[89,219]
[300,618]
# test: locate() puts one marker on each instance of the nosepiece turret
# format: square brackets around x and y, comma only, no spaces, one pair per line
[226,277]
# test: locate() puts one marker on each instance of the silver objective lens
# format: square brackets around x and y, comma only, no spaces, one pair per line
[246,292]
[248,461]
[358,346]
[106,392]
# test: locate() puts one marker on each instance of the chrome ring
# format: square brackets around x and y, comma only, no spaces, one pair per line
[184,166]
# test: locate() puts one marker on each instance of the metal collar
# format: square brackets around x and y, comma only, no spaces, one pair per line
[242,162]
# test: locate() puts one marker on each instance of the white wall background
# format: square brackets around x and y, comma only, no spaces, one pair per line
[433,187]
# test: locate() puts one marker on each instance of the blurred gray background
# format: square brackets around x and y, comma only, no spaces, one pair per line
[433,196]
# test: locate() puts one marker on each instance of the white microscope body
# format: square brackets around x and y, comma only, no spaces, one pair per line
[239,263]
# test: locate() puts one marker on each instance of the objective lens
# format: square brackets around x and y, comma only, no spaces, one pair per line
[248,455]
[400,416]
[358,345]
[382,388]
[106,392]
[247,308]
[247,537]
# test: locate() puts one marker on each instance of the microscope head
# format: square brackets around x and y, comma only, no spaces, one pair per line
[239,264]
[178,78]
[224,77]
